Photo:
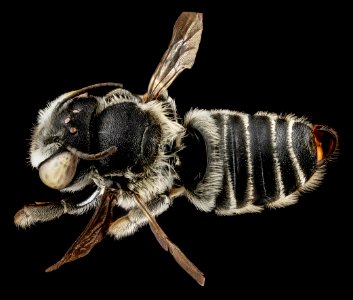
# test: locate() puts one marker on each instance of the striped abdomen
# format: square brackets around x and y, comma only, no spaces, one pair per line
[253,160]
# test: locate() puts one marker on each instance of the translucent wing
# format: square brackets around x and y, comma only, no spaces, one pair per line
[180,54]
[168,245]
[93,234]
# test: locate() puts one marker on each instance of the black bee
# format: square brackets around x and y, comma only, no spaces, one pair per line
[131,151]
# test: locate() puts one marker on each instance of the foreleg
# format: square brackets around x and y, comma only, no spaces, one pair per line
[47,211]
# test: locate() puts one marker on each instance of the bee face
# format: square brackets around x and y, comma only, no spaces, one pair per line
[65,122]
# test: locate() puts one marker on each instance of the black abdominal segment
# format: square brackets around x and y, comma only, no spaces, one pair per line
[194,159]
[262,158]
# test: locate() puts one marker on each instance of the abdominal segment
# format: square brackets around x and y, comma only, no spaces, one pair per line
[261,160]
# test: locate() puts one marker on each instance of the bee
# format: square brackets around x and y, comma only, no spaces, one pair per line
[133,151]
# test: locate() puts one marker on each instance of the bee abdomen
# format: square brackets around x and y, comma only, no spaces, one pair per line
[260,160]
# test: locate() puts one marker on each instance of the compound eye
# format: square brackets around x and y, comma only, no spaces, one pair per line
[58,172]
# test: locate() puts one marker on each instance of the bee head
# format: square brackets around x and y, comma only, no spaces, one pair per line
[64,123]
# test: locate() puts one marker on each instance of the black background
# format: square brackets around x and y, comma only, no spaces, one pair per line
[286,58]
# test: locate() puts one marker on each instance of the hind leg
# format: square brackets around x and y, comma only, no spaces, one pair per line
[135,219]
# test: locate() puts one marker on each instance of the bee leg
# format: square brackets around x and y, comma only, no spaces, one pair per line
[47,211]
[130,223]
[38,212]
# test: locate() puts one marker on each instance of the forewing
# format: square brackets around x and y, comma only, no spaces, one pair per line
[168,245]
[180,54]
[94,232]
